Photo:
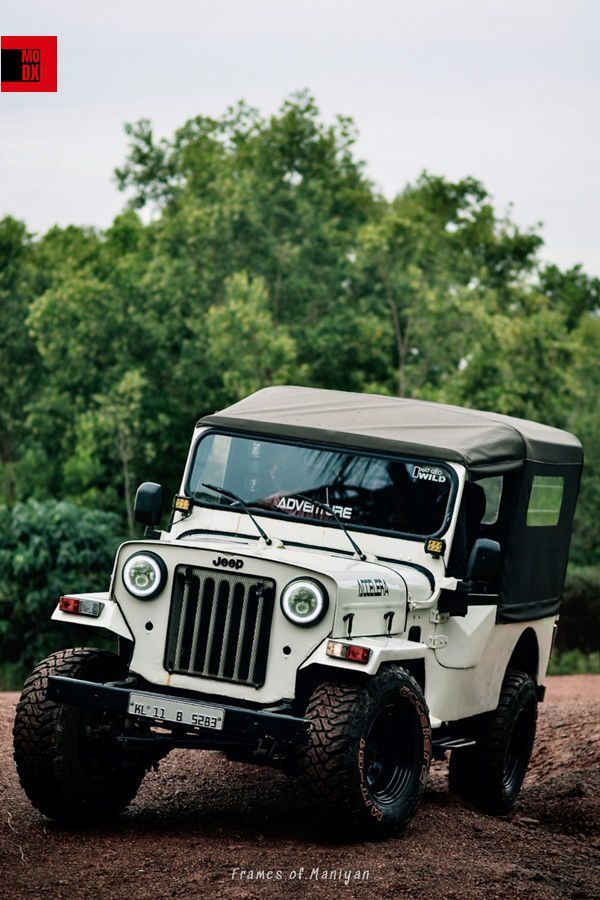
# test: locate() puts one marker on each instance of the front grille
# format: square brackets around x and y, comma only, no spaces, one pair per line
[219,626]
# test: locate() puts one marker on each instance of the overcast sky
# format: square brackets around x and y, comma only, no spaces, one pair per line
[505,90]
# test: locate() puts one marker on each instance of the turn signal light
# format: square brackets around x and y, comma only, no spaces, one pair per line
[351,652]
[358,654]
[81,606]
[68,604]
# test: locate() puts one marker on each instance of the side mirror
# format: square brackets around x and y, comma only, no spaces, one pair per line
[484,561]
[148,504]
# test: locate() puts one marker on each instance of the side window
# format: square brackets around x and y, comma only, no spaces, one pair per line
[545,500]
[492,488]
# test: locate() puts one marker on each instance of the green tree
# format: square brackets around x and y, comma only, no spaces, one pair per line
[583,418]
[246,350]
[112,438]
[573,291]
[433,264]
[268,257]
[520,366]
[280,197]
[19,360]
[48,549]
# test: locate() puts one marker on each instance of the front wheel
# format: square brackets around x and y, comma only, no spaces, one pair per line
[490,774]
[370,747]
[68,759]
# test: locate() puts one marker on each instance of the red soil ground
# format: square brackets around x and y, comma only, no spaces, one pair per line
[200,820]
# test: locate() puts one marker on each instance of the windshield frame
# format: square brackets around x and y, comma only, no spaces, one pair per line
[323,445]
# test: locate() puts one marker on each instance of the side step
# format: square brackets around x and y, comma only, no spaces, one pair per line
[450,743]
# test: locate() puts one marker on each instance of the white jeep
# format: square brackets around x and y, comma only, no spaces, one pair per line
[348,587]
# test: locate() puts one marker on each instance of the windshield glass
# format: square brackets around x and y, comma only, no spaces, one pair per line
[365,491]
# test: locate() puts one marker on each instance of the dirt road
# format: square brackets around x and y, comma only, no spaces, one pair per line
[201,827]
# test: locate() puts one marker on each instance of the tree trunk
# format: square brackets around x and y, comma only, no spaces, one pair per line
[401,345]
[278,285]
[127,479]
[128,499]
[7,461]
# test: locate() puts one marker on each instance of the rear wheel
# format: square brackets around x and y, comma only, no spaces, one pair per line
[490,774]
[369,752]
[69,761]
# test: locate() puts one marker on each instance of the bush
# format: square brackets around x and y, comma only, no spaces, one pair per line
[579,624]
[47,549]
[574,662]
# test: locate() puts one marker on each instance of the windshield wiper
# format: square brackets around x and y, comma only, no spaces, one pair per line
[336,519]
[243,504]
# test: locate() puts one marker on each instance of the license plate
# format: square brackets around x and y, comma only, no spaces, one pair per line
[167,709]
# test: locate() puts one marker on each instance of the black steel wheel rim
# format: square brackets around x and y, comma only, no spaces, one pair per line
[389,753]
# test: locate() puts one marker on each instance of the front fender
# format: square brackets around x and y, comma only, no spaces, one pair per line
[110,619]
[383,649]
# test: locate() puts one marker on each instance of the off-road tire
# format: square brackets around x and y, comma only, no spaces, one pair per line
[490,774]
[339,767]
[63,778]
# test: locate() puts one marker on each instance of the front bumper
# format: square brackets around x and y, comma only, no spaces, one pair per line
[241,726]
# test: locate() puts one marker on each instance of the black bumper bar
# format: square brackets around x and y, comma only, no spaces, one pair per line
[240,725]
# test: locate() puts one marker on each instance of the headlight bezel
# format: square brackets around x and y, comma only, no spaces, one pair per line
[313,619]
[155,561]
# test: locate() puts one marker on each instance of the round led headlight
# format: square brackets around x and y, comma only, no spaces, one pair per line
[304,601]
[144,575]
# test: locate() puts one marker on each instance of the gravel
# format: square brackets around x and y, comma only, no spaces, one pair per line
[204,827]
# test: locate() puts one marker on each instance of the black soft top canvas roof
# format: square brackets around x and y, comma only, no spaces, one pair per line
[478,440]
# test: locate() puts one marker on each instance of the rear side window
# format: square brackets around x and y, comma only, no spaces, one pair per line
[545,500]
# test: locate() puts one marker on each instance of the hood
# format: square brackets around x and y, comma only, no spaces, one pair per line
[372,596]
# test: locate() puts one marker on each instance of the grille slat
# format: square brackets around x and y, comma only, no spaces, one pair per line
[226,629]
[241,634]
[220,625]
[184,604]
[211,627]
[197,617]
[255,638]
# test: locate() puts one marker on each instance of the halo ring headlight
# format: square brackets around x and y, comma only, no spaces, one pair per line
[304,601]
[144,575]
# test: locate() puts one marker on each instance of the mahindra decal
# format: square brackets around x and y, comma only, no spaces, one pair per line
[372,587]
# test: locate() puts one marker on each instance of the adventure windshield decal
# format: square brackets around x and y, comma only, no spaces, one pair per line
[306,508]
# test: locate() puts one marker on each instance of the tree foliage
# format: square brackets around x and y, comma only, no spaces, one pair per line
[254,250]
[48,549]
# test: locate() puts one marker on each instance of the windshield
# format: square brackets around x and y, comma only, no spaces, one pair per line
[365,491]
